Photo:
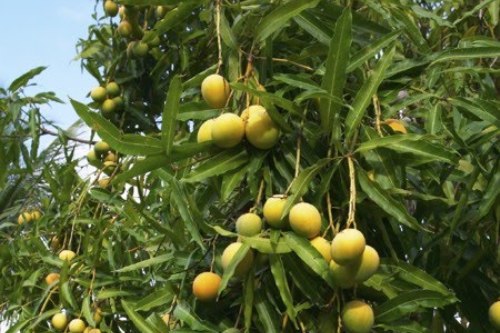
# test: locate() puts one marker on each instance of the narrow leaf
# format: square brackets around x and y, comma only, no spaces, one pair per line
[219,164]
[281,282]
[302,183]
[146,263]
[335,74]
[365,93]
[371,50]
[170,111]
[139,322]
[412,144]
[279,16]
[25,78]
[409,302]
[310,256]
[183,312]
[391,206]
[230,269]
[468,53]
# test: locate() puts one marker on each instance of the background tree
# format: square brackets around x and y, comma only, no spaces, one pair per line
[388,120]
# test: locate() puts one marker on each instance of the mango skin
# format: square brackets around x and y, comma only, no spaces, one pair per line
[494,315]
[205,131]
[260,130]
[215,90]
[245,264]
[272,211]
[357,317]
[206,286]
[305,220]
[228,130]
[249,224]
[348,246]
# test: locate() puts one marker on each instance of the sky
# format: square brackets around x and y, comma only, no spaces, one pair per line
[44,33]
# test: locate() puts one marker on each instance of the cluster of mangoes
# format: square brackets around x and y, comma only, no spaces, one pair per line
[229,129]
[60,321]
[102,157]
[108,98]
[351,260]
[130,29]
[28,216]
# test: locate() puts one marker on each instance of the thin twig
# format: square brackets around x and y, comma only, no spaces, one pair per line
[297,155]
[378,114]
[259,196]
[219,42]
[294,63]
[44,130]
[352,191]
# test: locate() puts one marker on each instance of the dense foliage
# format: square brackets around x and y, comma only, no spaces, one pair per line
[389,120]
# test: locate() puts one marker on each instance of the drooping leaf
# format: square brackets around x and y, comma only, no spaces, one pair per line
[410,302]
[390,205]
[140,323]
[365,93]
[217,165]
[277,18]
[310,256]
[22,80]
[169,115]
[335,74]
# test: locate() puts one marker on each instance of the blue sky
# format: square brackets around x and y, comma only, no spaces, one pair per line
[44,33]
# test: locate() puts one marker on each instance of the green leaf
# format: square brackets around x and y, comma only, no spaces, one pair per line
[368,52]
[113,293]
[300,184]
[267,316]
[127,144]
[433,123]
[413,144]
[248,292]
[22,80]
[313,26]
[227,34]
[174,17]
[478,109]
[279,16]
[87,312]
[218,164]
[232,180]
[146,263]
[169,114]
[139,322]
[491,193]
[230,269]
[272,98]
[182,204]
[414,275]
[310,256]
[141,167]
[281,282]
[365,93]
[412,327]
[335,74]
[265,245]
[407,23]
[420,12]
[184,313]
[302,279]
[409,302]
[159,298]
[471,12]
[391,206]
[67,295]
[468,53]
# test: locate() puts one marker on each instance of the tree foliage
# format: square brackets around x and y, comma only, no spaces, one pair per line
[388,112]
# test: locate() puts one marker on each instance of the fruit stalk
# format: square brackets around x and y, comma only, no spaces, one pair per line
[352,192]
